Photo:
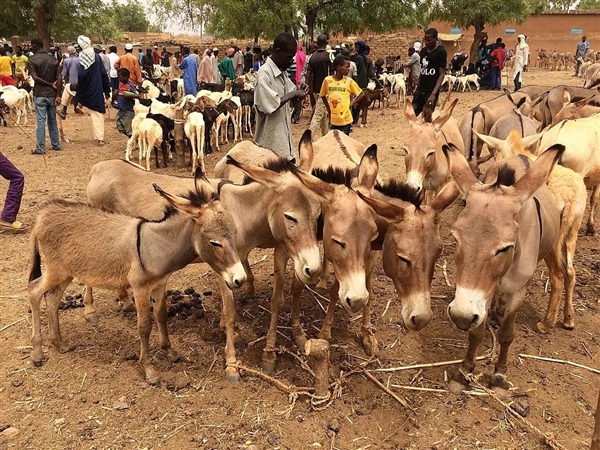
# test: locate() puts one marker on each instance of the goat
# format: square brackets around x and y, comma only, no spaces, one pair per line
[194,128]
[117,251]
[135,131]
[465,80]
[150,135]
[168,139]
[370,96]
[210,116]
[15,101]
[247,101]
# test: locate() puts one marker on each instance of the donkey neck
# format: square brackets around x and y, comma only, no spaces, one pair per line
[166,246]
[249,207]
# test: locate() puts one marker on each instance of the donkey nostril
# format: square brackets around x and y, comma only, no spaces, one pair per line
[413,320]
[307,271]
[237,282]
[475,319]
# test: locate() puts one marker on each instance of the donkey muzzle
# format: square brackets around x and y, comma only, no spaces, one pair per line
[468,309]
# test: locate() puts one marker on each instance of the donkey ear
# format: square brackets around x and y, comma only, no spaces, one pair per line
[305,151]
[263,176]
[441,120]
[368,168]
[539,173]
[530,140]
[492,142]
[459,168]
[388,211]
[180,203]
[566,97]
[314,184]
[409,112]
[445,197]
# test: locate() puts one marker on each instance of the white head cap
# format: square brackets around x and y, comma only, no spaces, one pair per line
[417,46]
[128,47]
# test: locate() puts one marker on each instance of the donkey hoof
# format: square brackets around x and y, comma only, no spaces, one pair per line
[152,377]
[269,363]
[93,319]
[64,348]
[300,341]
[543,327]
[569,324]
[591,230]
[37,362]
[499,383]
[128,307]
[173,356]
[232,375]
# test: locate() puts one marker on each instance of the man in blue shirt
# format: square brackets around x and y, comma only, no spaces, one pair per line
[190,72]
[580,53]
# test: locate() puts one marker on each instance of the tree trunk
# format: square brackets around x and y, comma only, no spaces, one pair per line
[596,435]
[477,38]
[43,15]
[311,17]
[256,36]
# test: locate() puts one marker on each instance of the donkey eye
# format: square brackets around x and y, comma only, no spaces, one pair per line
[216,244]
[405,261]
[340,243]
[503,250]
[290,218]
[404,151]
[431,153]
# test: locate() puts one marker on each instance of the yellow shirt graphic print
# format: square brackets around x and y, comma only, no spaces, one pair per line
[338,96]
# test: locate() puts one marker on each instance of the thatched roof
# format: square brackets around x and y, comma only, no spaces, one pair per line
[449,37]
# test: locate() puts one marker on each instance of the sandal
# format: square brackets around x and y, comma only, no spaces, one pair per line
[78,110]
[62,114]
[15,226]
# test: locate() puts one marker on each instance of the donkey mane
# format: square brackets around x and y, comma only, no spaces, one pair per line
[576,99]
[279,165]
[334,175]
[506,176]
[402,191]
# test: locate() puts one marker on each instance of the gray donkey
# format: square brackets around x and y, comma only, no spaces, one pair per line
[114,251]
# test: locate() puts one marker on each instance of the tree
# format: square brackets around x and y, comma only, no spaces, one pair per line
[587,5]
[478,14]
[16,19]
[129,16]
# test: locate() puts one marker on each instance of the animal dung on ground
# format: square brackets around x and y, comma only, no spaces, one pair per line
[185,304]
[71,302]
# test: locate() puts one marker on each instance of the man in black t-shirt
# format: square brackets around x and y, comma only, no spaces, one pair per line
[433,69]
[319,67]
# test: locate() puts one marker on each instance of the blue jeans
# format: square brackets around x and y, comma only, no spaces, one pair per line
[496,84]
[45,109]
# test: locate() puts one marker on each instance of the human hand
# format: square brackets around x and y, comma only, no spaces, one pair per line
[55,85]
[57,101]
[430,100]
[299,94]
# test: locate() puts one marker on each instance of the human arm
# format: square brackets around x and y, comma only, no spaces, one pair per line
[358,92]
[438,83]
[266,99]
[36,79]
[57,85]
[323,95]
[117,64]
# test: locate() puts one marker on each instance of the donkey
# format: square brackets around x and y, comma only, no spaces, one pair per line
[271,210]
[116,251]
[505,229]
[570,196]
[426,166]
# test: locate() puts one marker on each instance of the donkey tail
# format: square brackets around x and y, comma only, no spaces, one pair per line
[36,267]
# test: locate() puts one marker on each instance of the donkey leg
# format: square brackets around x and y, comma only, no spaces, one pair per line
[127,304]
[591,225]
[250,290]
[557,283]
[506,335]
[459,382]
[369,342]
[53,298]
[228,324]
[322,284]
[298,334]
[160,315]
[37,288]
[142,305]
[269,357]
[89,312]
[569,312]
[325,332]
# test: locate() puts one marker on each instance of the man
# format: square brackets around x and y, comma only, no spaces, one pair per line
[319,67]
[98,49]
[190,72]
[70,73]
[362,79]
[272,94]
[248,59]
[19,60]
[580,53]
[414,66]
[131,63]
[140,55]
[433,69]
[92,86]
[226,66]
[498,59]
[147,63]
[45,71]
[205,73]
[12,204]
[165,57]
[194,54]
[6,78]
[8,51]
[112,74]
[521,59]
[238,62]
[214,60]
[155,56]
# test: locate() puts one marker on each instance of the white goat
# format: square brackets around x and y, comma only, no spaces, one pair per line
[150,136]
[465,80]
[399,88]
[132,143]
[194,128]
[15,101]
[166,109]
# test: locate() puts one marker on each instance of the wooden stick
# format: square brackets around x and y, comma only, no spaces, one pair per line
[596,435]
[560,361]
[394,396]
[317,350]
[13,323]
[445,273]
[428,365]
[416,388]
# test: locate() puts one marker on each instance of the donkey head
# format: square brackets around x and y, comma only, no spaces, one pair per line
[422,143]
[412,245]
[486,231]
[214,237]
[349,227]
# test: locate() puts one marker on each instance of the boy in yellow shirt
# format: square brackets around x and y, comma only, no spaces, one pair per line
[335,93]
[19,60]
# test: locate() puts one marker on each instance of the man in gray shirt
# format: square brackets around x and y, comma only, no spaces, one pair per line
[272,94]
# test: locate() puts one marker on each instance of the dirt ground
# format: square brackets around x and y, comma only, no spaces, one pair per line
[95,396]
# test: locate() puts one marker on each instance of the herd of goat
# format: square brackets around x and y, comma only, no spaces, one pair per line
[526,209]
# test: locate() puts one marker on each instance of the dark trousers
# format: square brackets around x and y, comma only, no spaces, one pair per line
[15,189]
[419,100]
[495,81]
[343,128]
[114,84]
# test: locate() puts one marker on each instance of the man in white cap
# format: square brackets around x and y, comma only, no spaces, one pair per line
[70,74]
[131,63]
[214,60]
[417,46]
[155,56]
[521,58]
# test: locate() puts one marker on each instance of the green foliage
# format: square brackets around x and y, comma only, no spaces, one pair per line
[189,14]
[587,5]
[467,13]
[16,19]
[129,16]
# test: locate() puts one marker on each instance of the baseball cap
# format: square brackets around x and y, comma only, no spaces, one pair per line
[156,46]
[128,47]
[215,49]
[70,49]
